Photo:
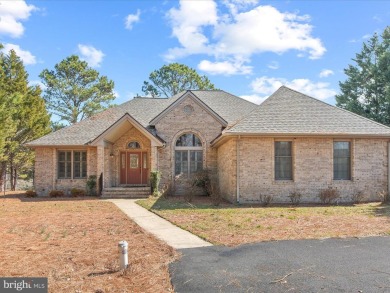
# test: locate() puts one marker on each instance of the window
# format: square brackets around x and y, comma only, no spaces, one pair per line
[72,164]
[133,145]
[283,160]
[341,160]
[80,164]
[188,154]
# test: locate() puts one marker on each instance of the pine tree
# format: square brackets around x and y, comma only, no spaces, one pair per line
[366,91]
[27,116]
[75,91]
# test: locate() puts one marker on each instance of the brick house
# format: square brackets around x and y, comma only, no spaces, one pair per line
[291,142]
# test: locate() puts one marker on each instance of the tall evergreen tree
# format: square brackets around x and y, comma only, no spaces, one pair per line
[27,115]
[366,91]
[174,78]
[75,91]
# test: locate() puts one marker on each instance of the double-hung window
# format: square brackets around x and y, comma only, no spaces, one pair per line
[188,154]
[72,164]
[283,160]
[341,160]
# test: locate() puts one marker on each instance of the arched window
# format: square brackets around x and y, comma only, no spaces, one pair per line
[133,145]
[188,154]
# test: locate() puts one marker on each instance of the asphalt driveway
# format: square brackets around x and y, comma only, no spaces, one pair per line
[330,265]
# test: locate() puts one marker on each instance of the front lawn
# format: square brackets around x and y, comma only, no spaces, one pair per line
[74,242]
[238,224]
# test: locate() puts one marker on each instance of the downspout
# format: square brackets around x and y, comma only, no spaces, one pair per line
[238,168]
[388,167]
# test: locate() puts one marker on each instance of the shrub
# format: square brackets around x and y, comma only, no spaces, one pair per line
[75,192]
[212,189]
[358,197]
[329,195]
[155,177]
[56,193]
[383,196]
[91,185]
[265,200]
[31,193]
[295,197]
[202,179]
[190,189]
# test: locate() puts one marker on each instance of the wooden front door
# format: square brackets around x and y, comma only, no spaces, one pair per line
[134,168]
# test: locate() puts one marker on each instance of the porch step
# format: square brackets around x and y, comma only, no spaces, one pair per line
[126,192]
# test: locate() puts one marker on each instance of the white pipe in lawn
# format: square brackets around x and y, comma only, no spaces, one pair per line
[123,256]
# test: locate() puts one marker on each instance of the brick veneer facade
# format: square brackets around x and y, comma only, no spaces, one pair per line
[312,161]
[312,169]
[177,122]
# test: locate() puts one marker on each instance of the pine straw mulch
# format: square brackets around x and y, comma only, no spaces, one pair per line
[232,225]
[74,242]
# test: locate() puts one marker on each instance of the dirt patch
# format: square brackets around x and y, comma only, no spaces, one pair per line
[74,242]
[233,225]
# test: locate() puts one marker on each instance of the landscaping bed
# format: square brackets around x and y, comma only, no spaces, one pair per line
[231,225]
[74,242]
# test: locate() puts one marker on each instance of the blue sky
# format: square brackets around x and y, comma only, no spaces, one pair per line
[248,48]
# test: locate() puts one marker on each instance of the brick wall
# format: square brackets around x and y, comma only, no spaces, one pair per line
[227,170]
[176,123]
[45,176]
[312,169]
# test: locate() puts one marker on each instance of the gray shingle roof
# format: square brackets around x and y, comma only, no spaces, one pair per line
[290,112]
[227,106]
[143,110]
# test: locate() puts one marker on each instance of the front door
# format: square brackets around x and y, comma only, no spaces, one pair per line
[134,175]
[133,168]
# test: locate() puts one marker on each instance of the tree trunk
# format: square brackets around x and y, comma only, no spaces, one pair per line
[3,170]
[13,185]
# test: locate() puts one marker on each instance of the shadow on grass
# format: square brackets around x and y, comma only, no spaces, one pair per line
[382,210]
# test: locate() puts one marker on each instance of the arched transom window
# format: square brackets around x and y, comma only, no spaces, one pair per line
[133,145]
[188,154]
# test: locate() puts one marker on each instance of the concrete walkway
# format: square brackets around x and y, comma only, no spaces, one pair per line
[162,229]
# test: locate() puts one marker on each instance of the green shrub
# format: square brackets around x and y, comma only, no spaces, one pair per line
[56,193]
[295,197]
[155,177]
[31,193]
[91,185]
[329,195]
[75,192]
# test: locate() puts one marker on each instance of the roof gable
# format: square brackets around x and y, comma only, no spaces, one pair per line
[290,112]
[176,102]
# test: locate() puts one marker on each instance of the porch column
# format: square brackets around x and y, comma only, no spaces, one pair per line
[153,158]
[100,167]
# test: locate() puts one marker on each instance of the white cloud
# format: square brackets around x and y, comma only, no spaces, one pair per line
[131,19]
[224,67]
[273,65]
[11,15]
[267,85]
[26,56]
[37,82]
[116,94]
[326,73]
[200,28]
[187,26]
[254,98]
[93,56]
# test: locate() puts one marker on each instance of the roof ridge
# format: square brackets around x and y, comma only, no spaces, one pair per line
[333,107]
